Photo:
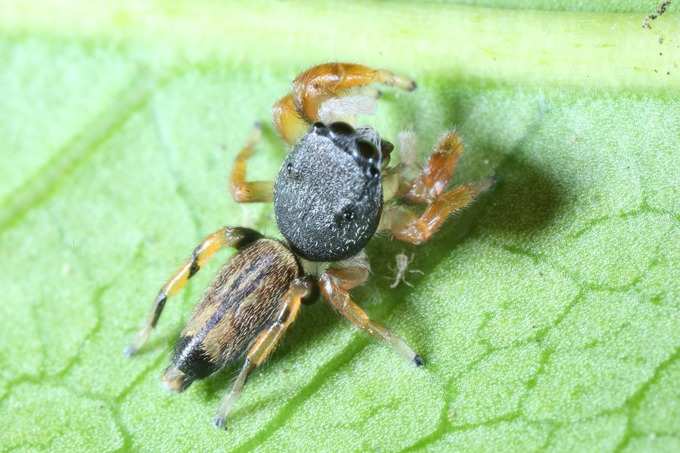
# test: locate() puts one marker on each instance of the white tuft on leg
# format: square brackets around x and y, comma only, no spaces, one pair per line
[346,108]
[408,149]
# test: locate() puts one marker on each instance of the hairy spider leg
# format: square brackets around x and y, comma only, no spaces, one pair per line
[224,237]
[296,111]
[249,191]
[335,285]
[428,188]
[264,344]
[407,226]
[437,173]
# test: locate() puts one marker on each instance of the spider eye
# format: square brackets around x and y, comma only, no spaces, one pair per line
[368,150]
[340,128]
[346,215]
[386,147]
[292,173]
[319,128]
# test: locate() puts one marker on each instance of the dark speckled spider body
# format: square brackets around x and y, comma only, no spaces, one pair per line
[328,195]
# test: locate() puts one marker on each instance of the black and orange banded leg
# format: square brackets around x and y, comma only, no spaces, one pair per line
[264,344]
[335,284]
[224,237]
[249,191]
[295,112]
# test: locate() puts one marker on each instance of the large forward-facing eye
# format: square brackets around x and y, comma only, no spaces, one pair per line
[340,128]
[367,150]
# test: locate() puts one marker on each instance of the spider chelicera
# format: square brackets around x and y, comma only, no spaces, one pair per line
[333,192]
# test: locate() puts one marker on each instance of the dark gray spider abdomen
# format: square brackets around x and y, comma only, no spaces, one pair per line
[328,194]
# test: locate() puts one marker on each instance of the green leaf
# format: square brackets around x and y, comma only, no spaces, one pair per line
[548,315]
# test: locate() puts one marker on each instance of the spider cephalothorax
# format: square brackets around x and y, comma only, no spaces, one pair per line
[329,201]
[328,195]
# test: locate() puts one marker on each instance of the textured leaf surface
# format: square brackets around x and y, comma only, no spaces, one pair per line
[549,314]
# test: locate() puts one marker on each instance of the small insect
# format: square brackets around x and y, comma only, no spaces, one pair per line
[329,202]
[402,262]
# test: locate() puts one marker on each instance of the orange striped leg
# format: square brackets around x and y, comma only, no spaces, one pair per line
[264,344]
[335,290]
[288,121]
[407,226]
[224,237]
[438,171]
[249,191]
[294,112]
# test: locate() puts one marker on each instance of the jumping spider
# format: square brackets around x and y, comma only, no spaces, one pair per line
[329,201]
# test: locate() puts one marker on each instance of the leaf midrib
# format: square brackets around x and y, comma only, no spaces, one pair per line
[589,50]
